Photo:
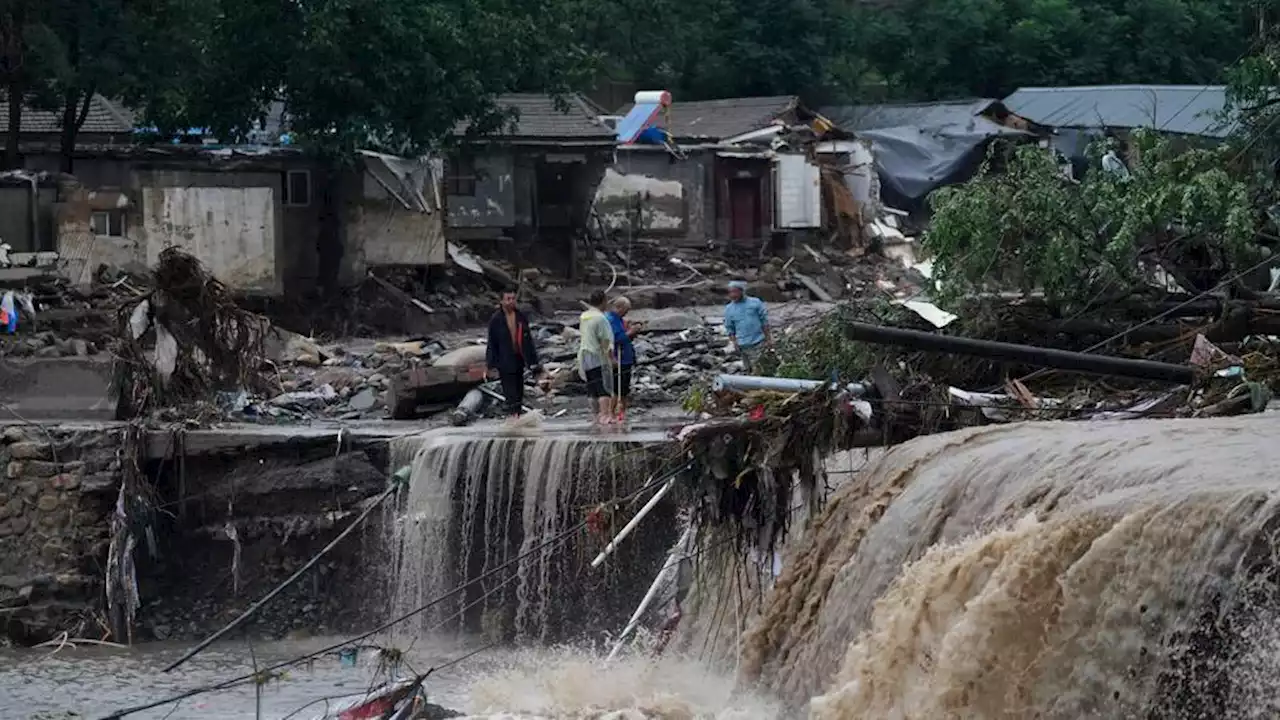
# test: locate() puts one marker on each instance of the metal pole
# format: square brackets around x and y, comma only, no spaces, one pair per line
[673,561]
[1028,354]
[746,383]
[625,531]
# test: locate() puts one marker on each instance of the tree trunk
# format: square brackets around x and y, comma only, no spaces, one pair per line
[12,148]
[75,108]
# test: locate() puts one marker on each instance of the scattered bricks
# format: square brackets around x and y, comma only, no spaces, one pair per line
[47,503]
[64,481]
[6,529]
[6,511]
[31,451]
[13,470]
[14,507]
[75,467]
[20,525]
[40,469]
[50,520]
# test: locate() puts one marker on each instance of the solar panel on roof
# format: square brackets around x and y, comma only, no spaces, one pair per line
[648,103]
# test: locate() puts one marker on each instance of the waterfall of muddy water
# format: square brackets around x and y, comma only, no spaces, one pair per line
[1047,570]
[476,501]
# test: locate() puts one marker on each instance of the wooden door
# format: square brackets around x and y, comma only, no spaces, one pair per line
[744,208]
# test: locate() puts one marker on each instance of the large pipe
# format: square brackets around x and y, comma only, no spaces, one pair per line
[1029,354]
[747,383]
[470,408]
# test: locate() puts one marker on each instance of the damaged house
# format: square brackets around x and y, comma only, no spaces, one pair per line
[920,147]
[1070,118]
[738,172]
[266,218]
[526,191]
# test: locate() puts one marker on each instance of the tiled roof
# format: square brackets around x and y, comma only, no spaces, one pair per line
[105,117]
[720,119]
[1184,109]
[540,119]
[925,115]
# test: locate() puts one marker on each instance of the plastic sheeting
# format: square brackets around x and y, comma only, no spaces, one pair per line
[913,161]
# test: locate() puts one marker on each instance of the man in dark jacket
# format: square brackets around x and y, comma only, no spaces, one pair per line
[511,351]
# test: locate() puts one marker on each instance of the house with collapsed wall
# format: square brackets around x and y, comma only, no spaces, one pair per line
[741,172]
[525,192]
[269,219]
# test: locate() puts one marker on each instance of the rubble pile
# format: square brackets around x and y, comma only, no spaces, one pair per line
[62,320]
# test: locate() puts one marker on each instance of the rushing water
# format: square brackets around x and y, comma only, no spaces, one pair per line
[476,503]
[1111,570]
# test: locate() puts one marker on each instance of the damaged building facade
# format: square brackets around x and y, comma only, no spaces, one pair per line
[526,191]
[270,219]
[743,172]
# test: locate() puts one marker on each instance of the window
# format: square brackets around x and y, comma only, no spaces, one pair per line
[108,223]
[297,188]
[460,176]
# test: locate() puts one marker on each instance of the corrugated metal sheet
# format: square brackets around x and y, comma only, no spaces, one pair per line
[1183,109]
[933,114]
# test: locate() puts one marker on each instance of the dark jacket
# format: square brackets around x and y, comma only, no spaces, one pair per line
[501,354]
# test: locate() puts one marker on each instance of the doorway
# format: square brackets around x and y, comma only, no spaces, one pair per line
[744,208]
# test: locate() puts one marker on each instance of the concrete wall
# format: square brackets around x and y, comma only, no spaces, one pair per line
[494,202]
[674,194]
[231,230]
[234,220]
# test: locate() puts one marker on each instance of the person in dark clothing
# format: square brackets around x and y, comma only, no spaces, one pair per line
[511,351]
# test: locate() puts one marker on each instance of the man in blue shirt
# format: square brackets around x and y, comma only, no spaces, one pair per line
[747,321]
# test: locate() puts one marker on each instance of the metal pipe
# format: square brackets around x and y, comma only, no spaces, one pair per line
[674,559]
[469,408]
[1028,354]
[746,383]
[626,530]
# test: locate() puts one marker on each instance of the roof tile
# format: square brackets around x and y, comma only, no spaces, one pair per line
[720,119]
[105,117]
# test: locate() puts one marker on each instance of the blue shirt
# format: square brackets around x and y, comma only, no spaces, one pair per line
[621,341]
[746,320]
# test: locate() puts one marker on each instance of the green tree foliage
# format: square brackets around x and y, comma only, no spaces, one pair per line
[929,49]
[717,48]
[399,74]
[1026,226]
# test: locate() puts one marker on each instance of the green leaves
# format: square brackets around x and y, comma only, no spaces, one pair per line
[1027,227]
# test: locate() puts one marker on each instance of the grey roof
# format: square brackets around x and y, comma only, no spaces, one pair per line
[932,114]
[720,119]
[105,117]
[540,119]
[1183,109]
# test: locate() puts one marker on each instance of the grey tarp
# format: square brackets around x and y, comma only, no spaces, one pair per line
[912,161]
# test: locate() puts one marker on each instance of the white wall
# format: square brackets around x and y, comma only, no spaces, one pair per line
[232,231]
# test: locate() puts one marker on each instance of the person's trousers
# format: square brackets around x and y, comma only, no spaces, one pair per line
[751,356]
[513,391]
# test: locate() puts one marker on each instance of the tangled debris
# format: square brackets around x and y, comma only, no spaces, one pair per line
[186,340]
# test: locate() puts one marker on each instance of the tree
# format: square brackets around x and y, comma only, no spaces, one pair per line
[1026,226]
[398,74]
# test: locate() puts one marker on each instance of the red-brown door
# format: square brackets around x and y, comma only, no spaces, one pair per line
[744,208]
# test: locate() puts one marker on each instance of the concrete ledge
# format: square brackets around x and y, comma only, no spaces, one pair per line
[70,388]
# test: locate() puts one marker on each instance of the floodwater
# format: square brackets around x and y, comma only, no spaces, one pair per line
[494,683]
